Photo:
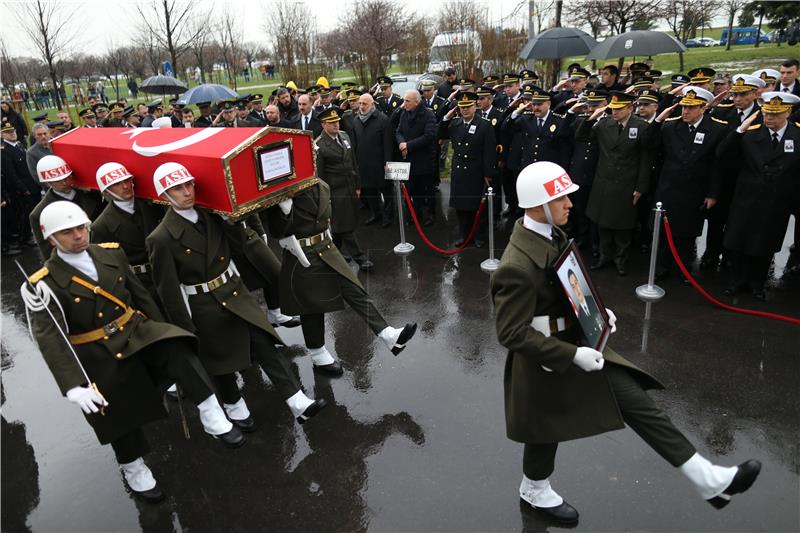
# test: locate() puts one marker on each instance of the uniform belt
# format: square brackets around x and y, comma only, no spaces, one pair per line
[211,285]
[547,326]
[314,239]
[106,331]
[144,268]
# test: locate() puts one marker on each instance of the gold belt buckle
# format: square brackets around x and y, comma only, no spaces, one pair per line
[216,283]
[111,328]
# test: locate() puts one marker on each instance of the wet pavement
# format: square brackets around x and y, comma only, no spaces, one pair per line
[417,442]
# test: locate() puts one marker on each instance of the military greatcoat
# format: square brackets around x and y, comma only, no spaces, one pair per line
[564,403]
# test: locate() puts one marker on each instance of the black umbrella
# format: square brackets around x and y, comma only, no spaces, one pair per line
[636,43]
[558,42]
[162,85]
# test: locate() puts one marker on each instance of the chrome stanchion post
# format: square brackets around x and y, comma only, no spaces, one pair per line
[491,264]
[652,292]
[404,248]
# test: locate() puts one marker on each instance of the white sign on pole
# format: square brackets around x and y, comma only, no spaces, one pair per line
[398,171]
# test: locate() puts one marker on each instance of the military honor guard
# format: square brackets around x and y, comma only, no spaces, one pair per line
[622,176]
[107,346]
[202,292]
[315,278]
[474,163]
[767,156]
[556,388]
[126,220]
[56,175]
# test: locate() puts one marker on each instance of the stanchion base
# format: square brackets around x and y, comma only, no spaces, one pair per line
[650,293]
[404,248]
[490,265]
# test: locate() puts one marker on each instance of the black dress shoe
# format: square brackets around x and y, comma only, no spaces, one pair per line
[154,495]
[644,248]
[599,264]
[172,395]
[386,223]
[311,410]
[459,242]
[563,514]
[760,295]
[293,323]
[232,439]
[408,331]
[11,251]
[478,243]
[371,220]
[621,272]
[247,425]
[365,264]
[333,369]
[743,480]
[428,221]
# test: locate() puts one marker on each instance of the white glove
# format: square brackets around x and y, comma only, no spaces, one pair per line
[35,299]
[612,320]
[286,206]
[86,398]
[588,359]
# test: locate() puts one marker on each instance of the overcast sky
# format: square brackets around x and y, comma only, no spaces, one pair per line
[109,23]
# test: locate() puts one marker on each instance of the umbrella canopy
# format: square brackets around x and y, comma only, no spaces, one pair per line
[636,43]
[208,92]
[558,42]
[162,85]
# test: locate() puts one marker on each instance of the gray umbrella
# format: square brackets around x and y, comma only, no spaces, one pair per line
[162,85]
[558,42]
[636,43]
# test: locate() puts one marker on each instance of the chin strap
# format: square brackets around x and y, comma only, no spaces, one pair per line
[548,215]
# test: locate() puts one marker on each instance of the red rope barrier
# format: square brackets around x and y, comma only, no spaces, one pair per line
[698,288]
[425,237]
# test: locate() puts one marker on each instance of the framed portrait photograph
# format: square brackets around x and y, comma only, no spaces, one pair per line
[583,297]
[274,162]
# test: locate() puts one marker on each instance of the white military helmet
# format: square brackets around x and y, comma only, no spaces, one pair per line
[169,175]
[61,215]
[162,122]
[110,173]
[52,168]
[542,182]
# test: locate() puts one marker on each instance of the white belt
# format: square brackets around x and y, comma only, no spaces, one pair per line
[547,326]
[315,239]
[144,268]
[211,285]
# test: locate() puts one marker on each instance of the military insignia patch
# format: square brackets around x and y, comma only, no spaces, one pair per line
[394,104]
[552,128]
[494,122]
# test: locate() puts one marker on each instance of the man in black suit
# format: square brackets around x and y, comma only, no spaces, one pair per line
[415,136]
[23,192]
[586,309]
[789,83]
[488,111]
[767,191]
[306,120]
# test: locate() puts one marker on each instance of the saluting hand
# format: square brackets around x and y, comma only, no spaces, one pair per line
[717,99]
[749,120]
[636,196]
[576,106]
[664,115]
[597,112]
[678,89]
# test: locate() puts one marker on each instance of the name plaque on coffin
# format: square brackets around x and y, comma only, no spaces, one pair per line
[237,170]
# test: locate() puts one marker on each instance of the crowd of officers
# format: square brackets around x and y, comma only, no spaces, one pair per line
[708,147]
[626,141]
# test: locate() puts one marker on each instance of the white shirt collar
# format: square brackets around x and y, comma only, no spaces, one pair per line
[82,261]
[66,195]
[790,87]
[127,206]
[542,228]
[746,111]
[780,132]
[189,214]
[697,124]
[544,118]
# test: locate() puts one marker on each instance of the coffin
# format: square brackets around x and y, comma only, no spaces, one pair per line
[237,170]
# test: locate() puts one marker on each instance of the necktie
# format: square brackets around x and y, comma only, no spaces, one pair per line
[741,117]
[540,123]
[691,129]
[774,140]
[786,89]
[619,128]
[305,122]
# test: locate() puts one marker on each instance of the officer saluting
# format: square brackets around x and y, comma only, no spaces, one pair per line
[201,290]
[120,353]
[127,220]
[557,390]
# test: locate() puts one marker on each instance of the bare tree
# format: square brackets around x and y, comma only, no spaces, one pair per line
[150,52]
[200,44]
[229,39]
[415,50]
[375,30]
[113,64]
[52,33]
[293,32]
[169,24]
[460,18]
[624,15]
[684,17]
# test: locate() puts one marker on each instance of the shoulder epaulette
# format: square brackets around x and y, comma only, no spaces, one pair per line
[754,127]
[725,105]
[559,115]
[672,118]
[108,245]
[38,275]
[715,119]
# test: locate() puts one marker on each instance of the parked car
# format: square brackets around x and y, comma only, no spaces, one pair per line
[701,42]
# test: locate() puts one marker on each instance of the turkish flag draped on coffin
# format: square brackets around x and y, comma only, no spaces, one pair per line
[238,170]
